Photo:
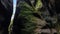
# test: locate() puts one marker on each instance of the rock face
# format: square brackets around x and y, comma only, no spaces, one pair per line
[6,9]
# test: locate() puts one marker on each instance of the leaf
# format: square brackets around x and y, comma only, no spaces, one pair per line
[38,4]
[25,5]
[28,2]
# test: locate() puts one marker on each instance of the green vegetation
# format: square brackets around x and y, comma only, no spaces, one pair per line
[31,22]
